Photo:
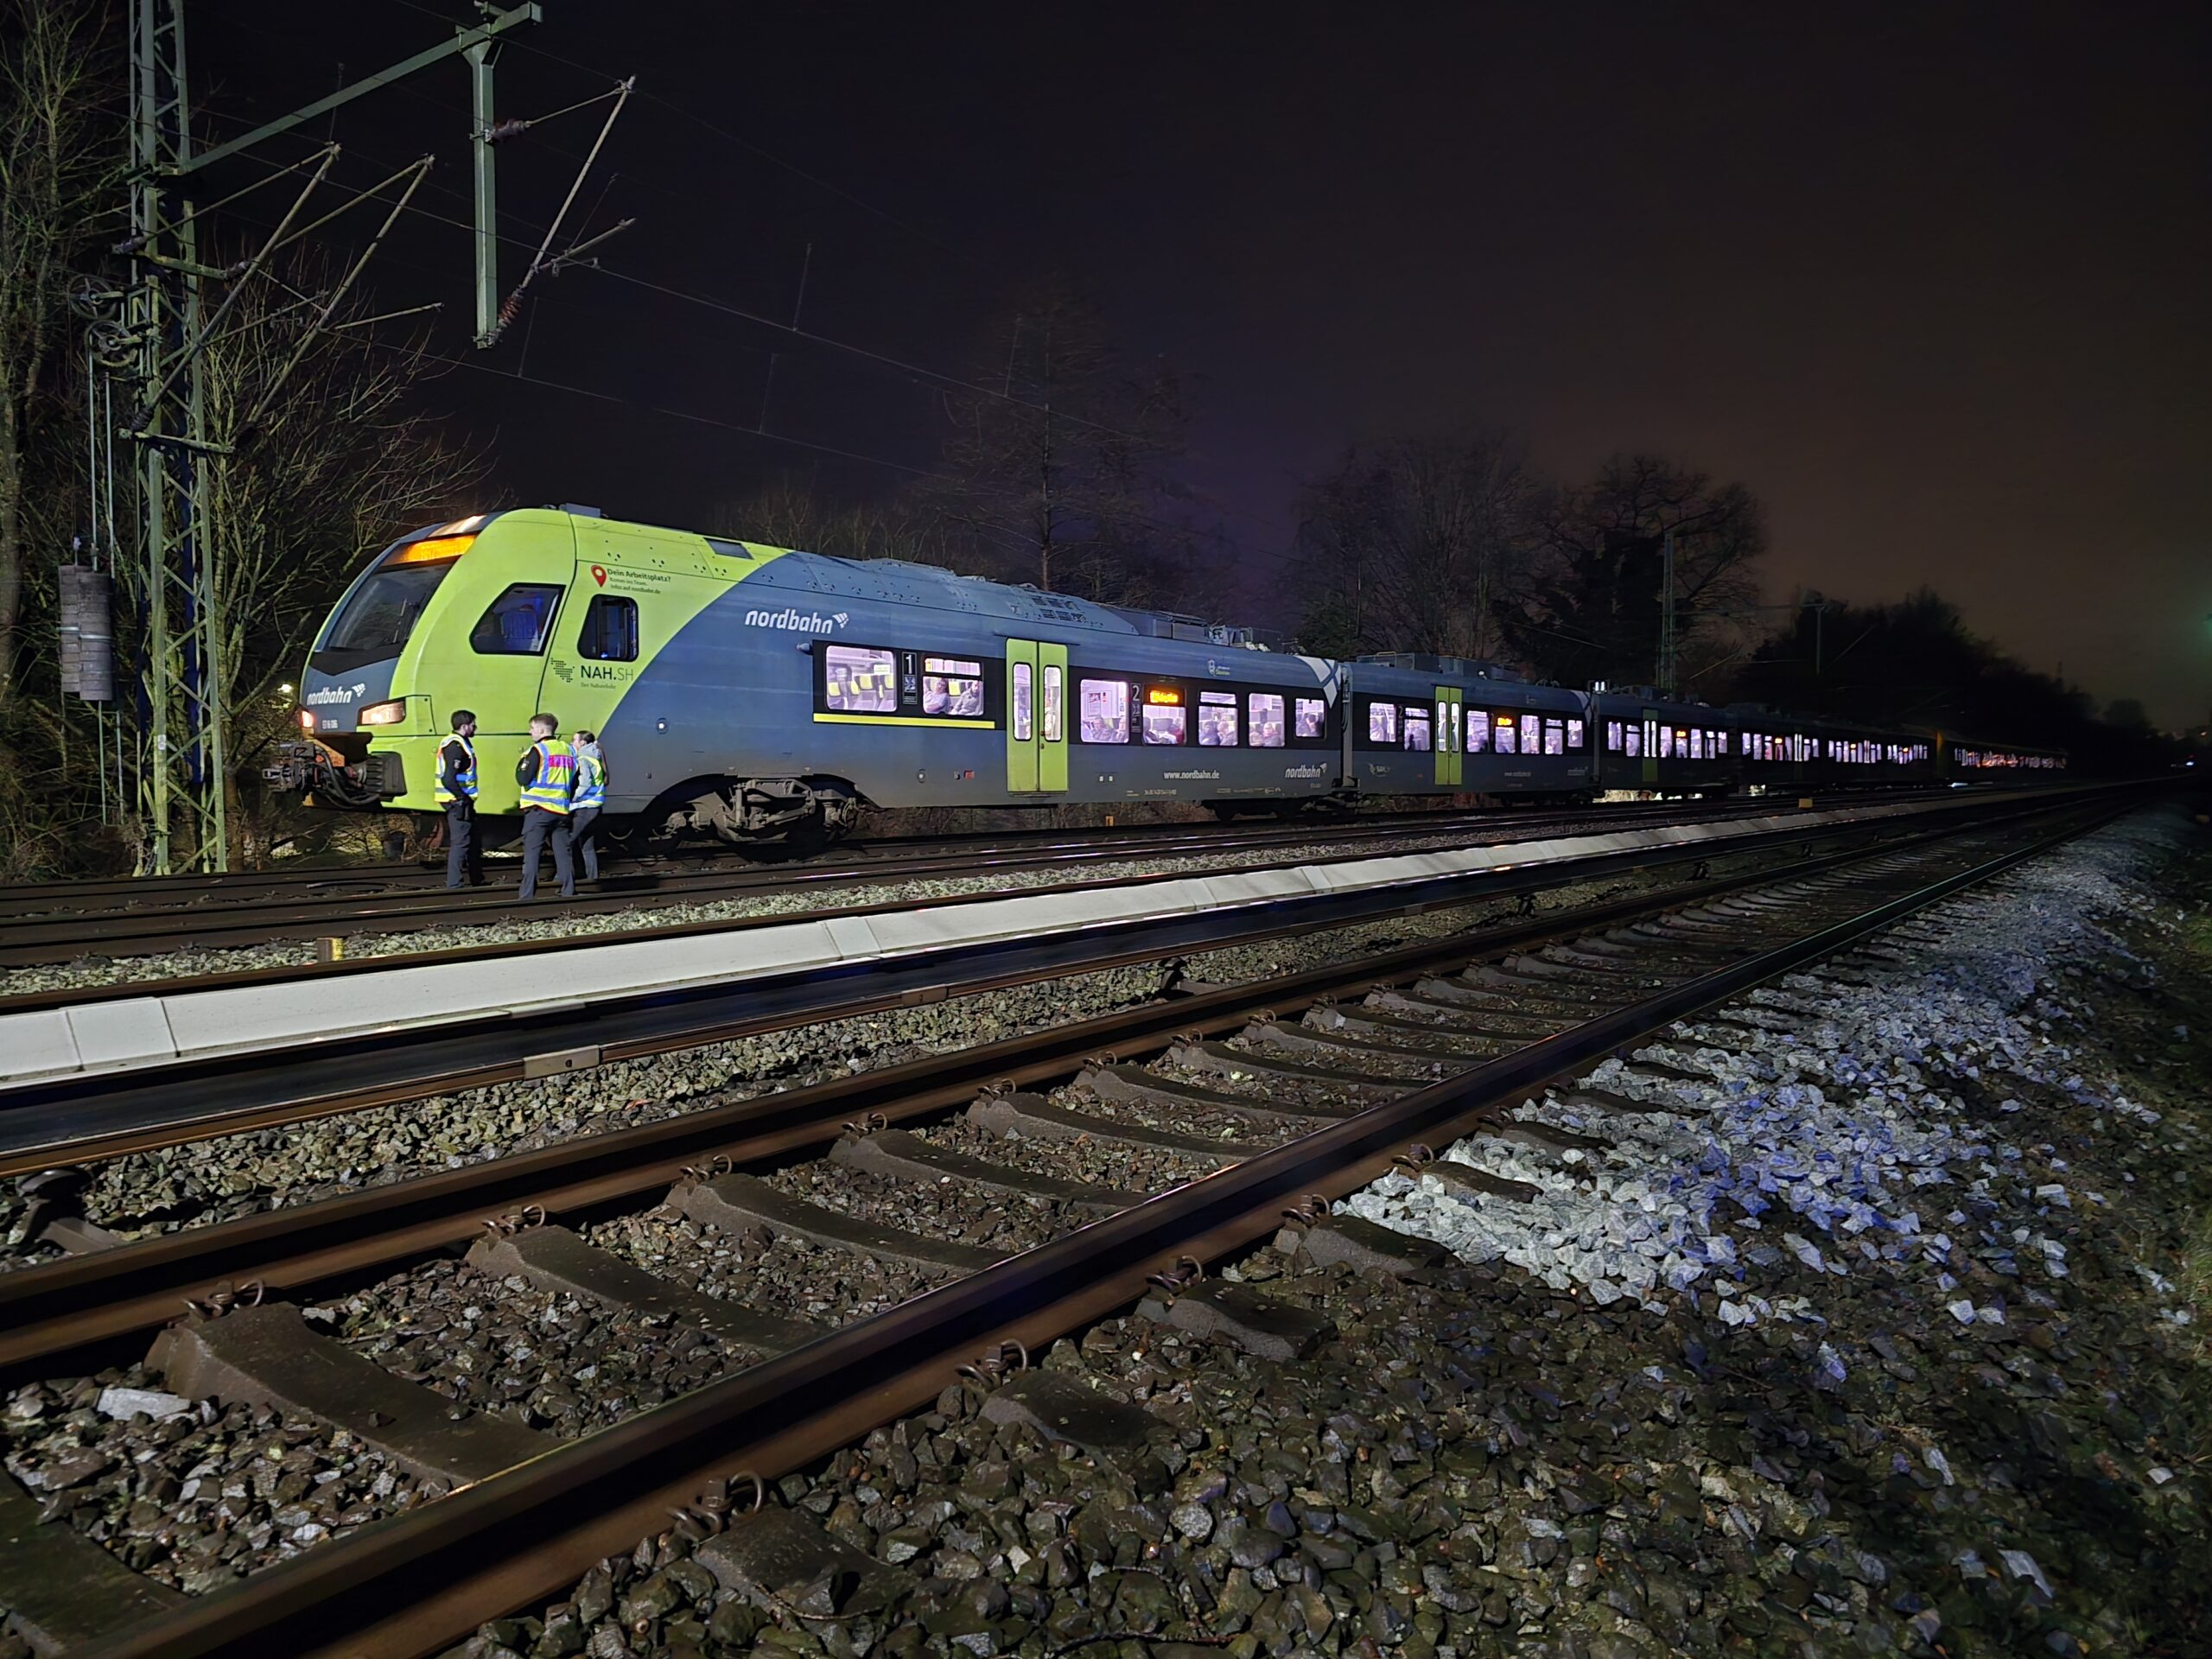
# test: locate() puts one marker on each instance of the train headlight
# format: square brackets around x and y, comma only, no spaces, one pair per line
[384,713]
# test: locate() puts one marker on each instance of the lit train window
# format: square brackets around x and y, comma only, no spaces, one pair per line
[1105,717]
[952,687]
[1505,734]
[610,631]
[1312,714]
[1216,719]
[1532,734]
[1612,737]
[1697,744]
[1477,731]
[1633,735]
[518,622]
[1024,713]
[858,681]
[1416,728]
[1263,714]
[1554,737]
[1053,717]
[1382,724]
[1666,742]
[1166,719]
[1574,736]
[1720,742]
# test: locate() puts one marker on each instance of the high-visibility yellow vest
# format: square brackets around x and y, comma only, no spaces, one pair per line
[556,777]
[464,780]
[591,782]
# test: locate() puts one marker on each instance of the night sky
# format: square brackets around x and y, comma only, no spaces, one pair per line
[1930,279]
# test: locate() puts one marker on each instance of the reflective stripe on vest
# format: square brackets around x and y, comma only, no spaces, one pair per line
[591,782]
[465,779]
[556,776]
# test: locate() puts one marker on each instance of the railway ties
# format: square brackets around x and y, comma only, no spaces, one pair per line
[1023,1170]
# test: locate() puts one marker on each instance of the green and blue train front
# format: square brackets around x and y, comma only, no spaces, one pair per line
[746,690]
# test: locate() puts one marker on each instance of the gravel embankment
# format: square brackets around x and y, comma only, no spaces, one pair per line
[1896,1348]
[218,1179]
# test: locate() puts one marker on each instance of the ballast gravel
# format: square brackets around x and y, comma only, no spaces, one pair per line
[1489,1458]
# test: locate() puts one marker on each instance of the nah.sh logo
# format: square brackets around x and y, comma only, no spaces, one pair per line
[599,575]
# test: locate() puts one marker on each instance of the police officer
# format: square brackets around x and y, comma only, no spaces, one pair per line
[590,796]
[547,775]
[455,791]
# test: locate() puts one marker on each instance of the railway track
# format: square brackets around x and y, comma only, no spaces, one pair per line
[1256,1098]
[65,922]
[565,1004]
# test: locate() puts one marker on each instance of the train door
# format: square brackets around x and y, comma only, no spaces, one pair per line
[1036,717]
[1651,747]
[1449,764]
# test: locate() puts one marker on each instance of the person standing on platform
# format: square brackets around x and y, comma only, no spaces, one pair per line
[590,796]
[547,775]
[455,791]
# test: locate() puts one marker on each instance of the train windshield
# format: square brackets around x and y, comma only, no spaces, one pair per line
[383,610]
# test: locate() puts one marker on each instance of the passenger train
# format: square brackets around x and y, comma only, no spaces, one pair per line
[756,694]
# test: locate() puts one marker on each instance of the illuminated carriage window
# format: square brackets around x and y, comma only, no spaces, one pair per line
[1054,720]
[1554,737]
[1612,737]
[1382,724]
[1666,742]
[1416,727]
[1697,744]
[1263,711]
[858,681]
[952,687]
[1312,714]
[1507,734]
[1477,731]
[1216,719]
[1720,742]
[1632,737]
[610,631]
[1105,711]
[1532,734]
[518,621]
[1025,713]
[1574,736]
[1165,720]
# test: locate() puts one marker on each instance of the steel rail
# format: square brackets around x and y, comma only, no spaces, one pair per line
[62,1307]
[347,968]
[410,1585]
[81,1116]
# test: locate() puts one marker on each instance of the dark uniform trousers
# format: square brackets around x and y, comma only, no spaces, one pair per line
[464,853]
[583,835]
[537,825]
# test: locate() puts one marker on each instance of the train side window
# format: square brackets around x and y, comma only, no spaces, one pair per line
[1532,734]
[856,680]
[1023,711]
[610,631]
[1506,735]
[1166,720]
[1053,700]
[1477,731]
[1263,719]
[1632,736]
[952,689]
[1554,737]
[1312,714]
[1383,725]
[518,621]
[1416,727]
[1697,744]
[1612,737]
[1105,716]
[1574,737]
[1666,742]
[1216,719]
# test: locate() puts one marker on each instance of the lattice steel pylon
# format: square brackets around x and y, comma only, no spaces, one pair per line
[178,474]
